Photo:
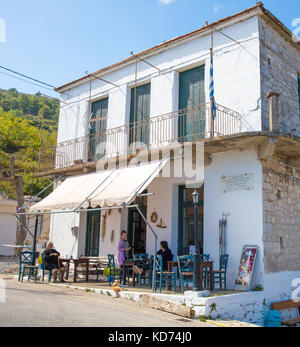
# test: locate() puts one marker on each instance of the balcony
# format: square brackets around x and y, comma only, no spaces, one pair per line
[192,124]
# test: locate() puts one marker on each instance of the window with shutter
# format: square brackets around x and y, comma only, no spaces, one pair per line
[140,114]
[97,129]
[191,96]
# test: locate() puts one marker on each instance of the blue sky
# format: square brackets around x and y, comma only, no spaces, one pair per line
[58,40]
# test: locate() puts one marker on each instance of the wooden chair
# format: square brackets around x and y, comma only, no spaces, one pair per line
[44,270]
[146,276]
[30,271]
[26,258]
[161,277]
[285,305]
[204,258]
[220,275]
[186,270]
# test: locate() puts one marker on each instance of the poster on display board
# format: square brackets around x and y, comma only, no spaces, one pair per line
[246,268]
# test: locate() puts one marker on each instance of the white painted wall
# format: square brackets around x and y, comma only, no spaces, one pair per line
[237,81]
[113,223]
[8,227]
[245,223]
[61,234]
[278,286]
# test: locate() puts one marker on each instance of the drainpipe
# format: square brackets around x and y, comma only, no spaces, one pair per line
[273,111]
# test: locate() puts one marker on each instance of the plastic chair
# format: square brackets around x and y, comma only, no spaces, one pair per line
[26,258]
[220,275]
[186,270]
[162,277]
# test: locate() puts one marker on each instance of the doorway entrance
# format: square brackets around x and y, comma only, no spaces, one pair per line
[186,237]
[137,228]
[92,234]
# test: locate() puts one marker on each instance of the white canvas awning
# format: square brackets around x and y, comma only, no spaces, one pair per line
[104,188]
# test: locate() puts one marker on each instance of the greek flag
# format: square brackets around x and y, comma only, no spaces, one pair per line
[212,88]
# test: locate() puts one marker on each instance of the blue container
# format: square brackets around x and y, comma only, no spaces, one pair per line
[273,319]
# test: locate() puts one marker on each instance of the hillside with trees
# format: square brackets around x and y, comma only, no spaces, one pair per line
[27,122]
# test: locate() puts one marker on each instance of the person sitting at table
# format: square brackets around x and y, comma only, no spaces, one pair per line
[52,262]
[166,254]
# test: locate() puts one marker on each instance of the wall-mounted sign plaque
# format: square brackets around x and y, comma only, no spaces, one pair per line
[237,183]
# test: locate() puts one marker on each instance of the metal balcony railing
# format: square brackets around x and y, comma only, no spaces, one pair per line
[192,124]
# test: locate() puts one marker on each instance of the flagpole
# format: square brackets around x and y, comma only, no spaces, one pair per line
[212,133]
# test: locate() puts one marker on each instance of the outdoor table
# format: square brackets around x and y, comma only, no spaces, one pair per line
[203,266]
[129,264]
[67,262]
[78,262]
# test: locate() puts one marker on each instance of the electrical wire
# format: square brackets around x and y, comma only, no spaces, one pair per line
[26,76]
[20,79]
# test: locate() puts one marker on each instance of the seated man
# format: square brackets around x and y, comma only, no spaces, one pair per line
[52,262]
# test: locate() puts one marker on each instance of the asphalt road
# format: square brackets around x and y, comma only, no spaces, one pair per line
[41,305]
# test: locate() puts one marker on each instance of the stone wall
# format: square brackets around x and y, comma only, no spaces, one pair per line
[281,194]
[280,66]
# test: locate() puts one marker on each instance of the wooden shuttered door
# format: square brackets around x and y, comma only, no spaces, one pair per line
[140,114]
[191,123]
[98,127]
[92,234]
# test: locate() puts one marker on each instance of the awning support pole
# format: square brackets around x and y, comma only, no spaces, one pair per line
[155,251]
[34,238]
[24,226]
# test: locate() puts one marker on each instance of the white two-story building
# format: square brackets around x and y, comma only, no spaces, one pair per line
[158,100]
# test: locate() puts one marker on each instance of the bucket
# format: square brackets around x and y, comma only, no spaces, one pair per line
[273,319]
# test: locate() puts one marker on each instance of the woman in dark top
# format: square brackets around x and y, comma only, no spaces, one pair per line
[166,254]
[52,262]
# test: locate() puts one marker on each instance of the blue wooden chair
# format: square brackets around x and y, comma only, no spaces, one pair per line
[220,275]
[186,270]
[143,257]
[205,257]
[26,258]
[146,276]
[161,277]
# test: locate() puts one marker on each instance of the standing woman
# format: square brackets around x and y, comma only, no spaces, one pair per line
[123,249]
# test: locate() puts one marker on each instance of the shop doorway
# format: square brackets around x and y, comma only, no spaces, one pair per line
[137,229]
[186,237]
